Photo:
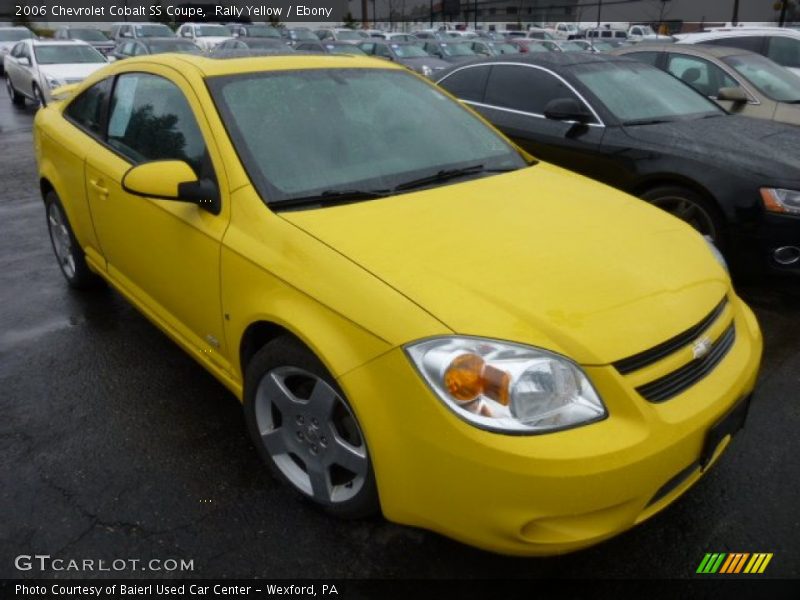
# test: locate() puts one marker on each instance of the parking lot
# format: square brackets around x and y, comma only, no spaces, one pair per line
[115,444]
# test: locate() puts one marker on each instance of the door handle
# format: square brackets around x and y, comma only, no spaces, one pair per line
[98,185]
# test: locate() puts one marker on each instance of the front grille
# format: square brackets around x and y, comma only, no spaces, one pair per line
[656,353]
[683,378]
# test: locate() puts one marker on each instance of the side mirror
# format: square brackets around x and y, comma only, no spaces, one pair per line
[171,180]
[24,61]
[566,109]
[733,94]
[126,34]
[111,58]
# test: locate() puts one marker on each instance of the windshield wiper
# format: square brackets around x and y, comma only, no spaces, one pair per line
[646,121]
[446,174]
[330,197]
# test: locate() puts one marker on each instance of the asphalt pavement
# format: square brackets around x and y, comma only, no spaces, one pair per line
[114,444]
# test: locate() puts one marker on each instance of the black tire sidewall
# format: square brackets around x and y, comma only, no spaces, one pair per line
[288,351]
[84,278]
[709,207]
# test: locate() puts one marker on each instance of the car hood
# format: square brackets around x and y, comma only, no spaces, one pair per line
[417,63]
[71,71]
[538,256]
[763,148]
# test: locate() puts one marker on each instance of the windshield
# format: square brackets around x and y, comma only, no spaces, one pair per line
[537,48]
[409,51]
[143,31]
[775,82]
[349,35]
[87,35]
[174,46]
[345,49]
[572,47]
[639,92]
[211,31]
[457,49]
[303,34]
[503,48]
[62,54]
[15,35]
[645,30]
[300,133]
[604,46]
[263,32]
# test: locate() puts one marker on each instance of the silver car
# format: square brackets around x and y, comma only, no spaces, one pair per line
[34,68]
[9,36]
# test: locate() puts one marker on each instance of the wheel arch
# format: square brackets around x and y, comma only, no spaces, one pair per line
[643,185]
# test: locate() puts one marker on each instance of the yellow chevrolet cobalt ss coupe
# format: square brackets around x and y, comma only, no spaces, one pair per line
[418,318]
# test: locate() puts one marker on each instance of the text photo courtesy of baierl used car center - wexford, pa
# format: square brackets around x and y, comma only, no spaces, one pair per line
[380,298]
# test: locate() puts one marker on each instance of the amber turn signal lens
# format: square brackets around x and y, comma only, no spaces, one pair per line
[463,377]
[770,202]
[468,376]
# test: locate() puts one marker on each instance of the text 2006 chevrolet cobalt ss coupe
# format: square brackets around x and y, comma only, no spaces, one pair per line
[437,327]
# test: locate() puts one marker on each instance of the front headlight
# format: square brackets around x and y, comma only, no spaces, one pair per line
[427,71]
[507,387]
[52,82]
[781,201]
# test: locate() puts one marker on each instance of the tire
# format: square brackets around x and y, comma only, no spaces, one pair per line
[68,252]
[17,99]
[305,430]
[38,97]
[692,208]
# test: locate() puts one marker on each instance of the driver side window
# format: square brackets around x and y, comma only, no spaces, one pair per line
[150,119]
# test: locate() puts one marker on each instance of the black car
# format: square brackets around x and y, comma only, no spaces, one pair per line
[90,35]
[454,51]
[632,126]
[298,34]
[144,46]
[408,54]
[491,48]
[329,47]
[254,43]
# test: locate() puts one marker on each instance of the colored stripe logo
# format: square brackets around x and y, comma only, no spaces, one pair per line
[734,563]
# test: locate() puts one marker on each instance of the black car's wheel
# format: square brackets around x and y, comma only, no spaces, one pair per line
[17,99]
[691,207]
[69,254]
[306,431]
[38,97]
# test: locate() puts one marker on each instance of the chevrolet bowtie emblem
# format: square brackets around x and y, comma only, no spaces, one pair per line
[701,347]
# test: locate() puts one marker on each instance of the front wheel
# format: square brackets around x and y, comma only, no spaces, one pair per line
[306,431]
[692,208]
[69,254]
[17,99]
[38,97]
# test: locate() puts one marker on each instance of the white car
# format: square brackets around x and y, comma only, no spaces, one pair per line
[565,31]
[9,36]
[780,44]
[36,67]
[205,35]
[638,33]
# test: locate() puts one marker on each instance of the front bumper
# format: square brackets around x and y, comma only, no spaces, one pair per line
[542,494]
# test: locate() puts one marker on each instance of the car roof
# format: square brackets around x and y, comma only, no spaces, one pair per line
[739,32]
[212,67]
[57,42]
[552,60]
[694,49]
[165,38]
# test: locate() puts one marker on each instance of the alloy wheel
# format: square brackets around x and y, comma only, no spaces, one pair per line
[689,212]
[62,240]
[311,435]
